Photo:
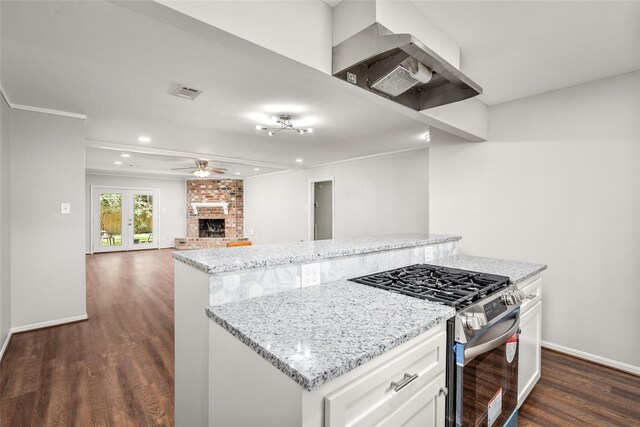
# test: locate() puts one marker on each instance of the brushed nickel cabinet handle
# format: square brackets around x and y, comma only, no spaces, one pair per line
[397,386]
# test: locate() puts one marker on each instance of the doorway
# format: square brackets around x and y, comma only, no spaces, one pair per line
[321,209]
[124,219]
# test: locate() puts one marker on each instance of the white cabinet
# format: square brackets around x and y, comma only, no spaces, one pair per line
[530,339]
[406,390]
[239,379]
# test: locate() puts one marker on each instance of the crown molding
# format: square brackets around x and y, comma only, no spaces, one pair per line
[369,156]
[40,109]
[138,173]
[49,111]
[185,154]
[4,95]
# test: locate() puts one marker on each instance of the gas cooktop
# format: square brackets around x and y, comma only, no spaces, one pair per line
[443,285]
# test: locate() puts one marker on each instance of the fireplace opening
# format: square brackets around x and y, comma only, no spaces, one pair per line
[211,227]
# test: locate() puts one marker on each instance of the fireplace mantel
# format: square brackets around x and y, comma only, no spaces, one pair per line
[223,205]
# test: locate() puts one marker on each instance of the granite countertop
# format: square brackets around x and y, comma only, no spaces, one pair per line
[517,271]
[230,259]
[318,333]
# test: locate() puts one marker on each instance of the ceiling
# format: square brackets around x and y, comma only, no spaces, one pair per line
[116,64]
[515,49]
[109,160]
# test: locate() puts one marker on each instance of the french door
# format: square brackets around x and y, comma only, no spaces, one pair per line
[123,219]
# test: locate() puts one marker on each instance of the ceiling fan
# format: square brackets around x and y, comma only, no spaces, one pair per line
[202,169]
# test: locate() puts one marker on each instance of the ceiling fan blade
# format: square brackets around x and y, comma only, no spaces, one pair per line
[217,170]
[179,169]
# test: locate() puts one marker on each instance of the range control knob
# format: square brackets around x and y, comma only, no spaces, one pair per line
[508,299]
[513,297]
[472,322]
[482,318]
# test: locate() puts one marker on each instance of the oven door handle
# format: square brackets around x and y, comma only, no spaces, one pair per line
[494,337]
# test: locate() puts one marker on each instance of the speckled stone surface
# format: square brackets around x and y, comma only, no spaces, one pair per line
[318,333]
[516,271]
[231,259]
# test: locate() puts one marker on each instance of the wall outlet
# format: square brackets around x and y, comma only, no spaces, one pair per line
[65,208]
[310,274]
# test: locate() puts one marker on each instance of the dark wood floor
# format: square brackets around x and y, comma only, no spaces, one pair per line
[574,392]
[116,369]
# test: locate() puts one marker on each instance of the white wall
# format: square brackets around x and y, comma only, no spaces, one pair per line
[468,119]
[47,248]
[399,17]
[558,183]
[5,230]
[300,30]
[405,17]
[378,195]
[172,203]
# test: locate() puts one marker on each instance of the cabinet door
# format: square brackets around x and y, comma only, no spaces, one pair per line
[373,400]
[425,408]
[529,356]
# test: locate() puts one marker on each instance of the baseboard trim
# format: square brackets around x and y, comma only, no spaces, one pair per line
[5,344]
[593,358]
[49,323]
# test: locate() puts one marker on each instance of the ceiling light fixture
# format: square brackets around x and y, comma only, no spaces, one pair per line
[117,162]
[256,169]
[125,155]
[144,139]
[299,160]
[284,120]
[201,173]
[237,173]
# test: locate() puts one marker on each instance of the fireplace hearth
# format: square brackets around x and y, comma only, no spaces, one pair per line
[211,227]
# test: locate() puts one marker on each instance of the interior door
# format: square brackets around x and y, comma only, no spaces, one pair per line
[321,215]
[124,219]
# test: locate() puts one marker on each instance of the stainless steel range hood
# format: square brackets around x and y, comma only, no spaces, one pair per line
[400,68]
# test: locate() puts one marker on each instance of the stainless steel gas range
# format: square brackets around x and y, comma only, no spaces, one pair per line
[482,338]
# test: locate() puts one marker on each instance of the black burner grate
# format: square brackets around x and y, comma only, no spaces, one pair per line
[448,286]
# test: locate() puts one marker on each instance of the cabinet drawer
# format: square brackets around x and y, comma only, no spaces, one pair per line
[371,399]
[533,293]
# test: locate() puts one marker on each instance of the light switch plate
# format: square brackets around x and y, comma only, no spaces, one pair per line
[310,274]
[65,208]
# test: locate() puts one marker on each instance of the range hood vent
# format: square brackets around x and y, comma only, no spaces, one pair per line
[401,68]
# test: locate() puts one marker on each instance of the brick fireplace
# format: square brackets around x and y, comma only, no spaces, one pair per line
[213,226]
[208,227]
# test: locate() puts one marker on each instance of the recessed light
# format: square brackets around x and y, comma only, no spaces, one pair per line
[117,162]
[256,169]
[299,160]
[237,173]
[125,155]
[144,139]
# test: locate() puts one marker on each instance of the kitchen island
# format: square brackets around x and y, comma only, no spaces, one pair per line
[213,277]
[275,343]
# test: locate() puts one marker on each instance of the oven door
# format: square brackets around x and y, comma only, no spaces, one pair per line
[487,375]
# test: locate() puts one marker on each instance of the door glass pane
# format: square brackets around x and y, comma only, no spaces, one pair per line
[110,219]
[142,218]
